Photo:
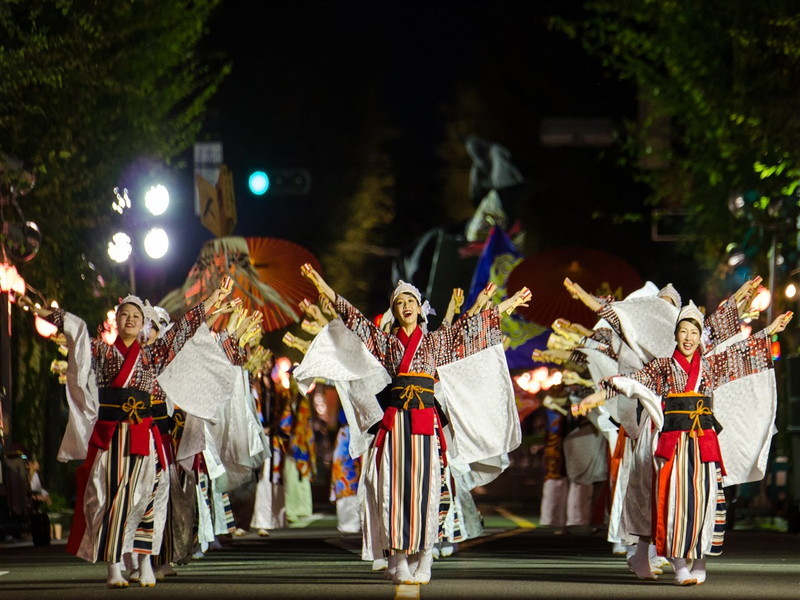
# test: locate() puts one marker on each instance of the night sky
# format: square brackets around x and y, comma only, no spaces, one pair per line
[308,76]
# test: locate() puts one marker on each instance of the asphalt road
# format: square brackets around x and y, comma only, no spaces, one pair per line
[513,560]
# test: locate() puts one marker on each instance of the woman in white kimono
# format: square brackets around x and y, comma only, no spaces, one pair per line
[678,393]
[408,449]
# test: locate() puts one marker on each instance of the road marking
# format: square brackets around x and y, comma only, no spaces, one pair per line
[406,592]
[4,572]
[518,521]
[491,538]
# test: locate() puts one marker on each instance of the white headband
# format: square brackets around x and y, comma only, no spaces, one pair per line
[406,288]
[670,292]
[136,301]
[690,311]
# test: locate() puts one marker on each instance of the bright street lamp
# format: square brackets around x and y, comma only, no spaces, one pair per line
[120,248]
[156,242]
[156,199]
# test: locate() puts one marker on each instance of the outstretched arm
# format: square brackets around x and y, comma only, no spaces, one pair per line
[579,293]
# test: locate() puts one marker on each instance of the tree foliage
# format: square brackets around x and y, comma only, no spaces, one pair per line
[721,75]
[93,92]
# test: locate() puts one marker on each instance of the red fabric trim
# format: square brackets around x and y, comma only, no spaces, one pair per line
[78,526]
[708,443]
[159,443]
[139,435]
[660,506]
[131,353]
[410,343]
[693,368]
[387,424]
[422,421]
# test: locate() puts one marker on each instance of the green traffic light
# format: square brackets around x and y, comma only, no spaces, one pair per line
[259,183]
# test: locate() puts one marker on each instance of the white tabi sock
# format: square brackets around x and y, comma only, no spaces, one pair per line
[115,578]
[682,574]
[639,563]
[698,570]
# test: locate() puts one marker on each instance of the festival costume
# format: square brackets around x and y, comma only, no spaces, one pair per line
[111,426]
[406,457]
[679,396]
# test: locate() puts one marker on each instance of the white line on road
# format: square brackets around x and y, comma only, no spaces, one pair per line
[406,592]
[4,572]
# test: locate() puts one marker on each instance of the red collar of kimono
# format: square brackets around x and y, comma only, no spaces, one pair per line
[693,368]
[130,354]
[410,343]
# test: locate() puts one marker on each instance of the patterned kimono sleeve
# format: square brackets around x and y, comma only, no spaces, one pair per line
[654,376]
[235,353]
[165,349]
[722,324]
[99,347]
[577,357]
[603,336]
[610,315]
[376,341]
[747,357]
[466,337]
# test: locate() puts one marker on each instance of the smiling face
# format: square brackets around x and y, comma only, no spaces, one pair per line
[687,335]
[406,310]
[130,321]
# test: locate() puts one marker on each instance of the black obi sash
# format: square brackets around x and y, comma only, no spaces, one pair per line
[689,413]
[412,391]
[123,404]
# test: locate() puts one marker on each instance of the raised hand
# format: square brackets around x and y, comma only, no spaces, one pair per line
[780,323]
[297,343]
[590,402]
[520,298]
[314,313]
[483,299]
[745,294]
[323,288]
[558,357]
[579,293]
[218,295]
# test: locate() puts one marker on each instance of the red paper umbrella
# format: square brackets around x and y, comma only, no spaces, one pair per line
[278,263]
[265,273]
[596,271]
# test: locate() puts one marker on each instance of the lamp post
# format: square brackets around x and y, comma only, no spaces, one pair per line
[11,285]
[155,241]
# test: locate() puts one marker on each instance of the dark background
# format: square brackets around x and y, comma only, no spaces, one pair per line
[308,78]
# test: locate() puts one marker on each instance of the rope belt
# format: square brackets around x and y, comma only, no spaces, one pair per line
[178,424]
[409,392]
[680,415]
[124,404]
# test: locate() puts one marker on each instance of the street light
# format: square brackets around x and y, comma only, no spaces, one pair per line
[156,240]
